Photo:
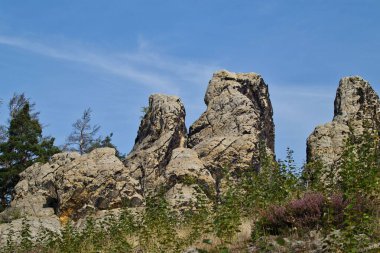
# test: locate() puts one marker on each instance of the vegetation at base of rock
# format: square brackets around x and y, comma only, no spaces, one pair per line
[279,205]
[216,189]
[350,210]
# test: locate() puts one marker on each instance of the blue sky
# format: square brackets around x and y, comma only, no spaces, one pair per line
[111,55]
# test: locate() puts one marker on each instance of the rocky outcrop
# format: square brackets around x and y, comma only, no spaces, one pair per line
[187,179]
[356,107]
[35,225]
[161,131]
[238,117]
[185,165]
[73,186]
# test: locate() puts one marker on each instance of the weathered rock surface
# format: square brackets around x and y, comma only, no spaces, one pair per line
[186,166]
[187,179]
[161,131]
[36,226]
[73,186]
[238,117]
[356,107]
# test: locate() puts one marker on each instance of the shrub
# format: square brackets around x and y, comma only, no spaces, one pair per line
[302,213]
[307,211]
[338,205]
[310,211]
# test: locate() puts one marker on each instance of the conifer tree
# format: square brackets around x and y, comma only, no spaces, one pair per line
[83,138]
[24,145]
[83,135]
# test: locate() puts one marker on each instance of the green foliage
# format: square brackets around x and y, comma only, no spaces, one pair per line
[24,145]
[273,196]
[26,243]
[349,218]
[158,227]
[274,183]
[360,181]
[105,143]
[228,217]
[197,220]
[360,165]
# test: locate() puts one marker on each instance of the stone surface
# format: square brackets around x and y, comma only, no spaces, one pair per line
[186,166]
[161,130]
[187,179]
[182,196]
[36,225]
[74,186]
[356,107]
[238,117]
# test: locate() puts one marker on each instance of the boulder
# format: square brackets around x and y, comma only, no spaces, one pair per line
[161,131]
[238,118]
[356,108]
[74,186]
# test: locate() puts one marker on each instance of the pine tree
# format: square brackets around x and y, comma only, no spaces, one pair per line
[24,146]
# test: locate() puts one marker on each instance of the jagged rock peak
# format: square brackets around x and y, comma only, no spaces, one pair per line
[356,108]
[245,97]
[218,86]
[161,131]
[164,114]
[238,117]
[355,99]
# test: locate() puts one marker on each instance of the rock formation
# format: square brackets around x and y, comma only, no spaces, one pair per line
[238,117]
[187,179]
[161,130]
[229,133]
[356,108]
[73,186]
[13,229]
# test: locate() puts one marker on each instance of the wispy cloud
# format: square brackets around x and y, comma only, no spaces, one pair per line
[154,70]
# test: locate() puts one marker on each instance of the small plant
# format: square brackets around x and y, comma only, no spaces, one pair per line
[157,231]
[300,214]
[26,242]
[228,217]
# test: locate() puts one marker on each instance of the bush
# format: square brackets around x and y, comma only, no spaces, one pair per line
[302,213]
[338,205]
[312,211]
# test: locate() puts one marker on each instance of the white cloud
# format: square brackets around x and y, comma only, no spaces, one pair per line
[160,72]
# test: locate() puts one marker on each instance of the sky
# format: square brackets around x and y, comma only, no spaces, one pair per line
[110,55]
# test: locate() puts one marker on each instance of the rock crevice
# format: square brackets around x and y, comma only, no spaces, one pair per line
[161,131]
[238,117]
